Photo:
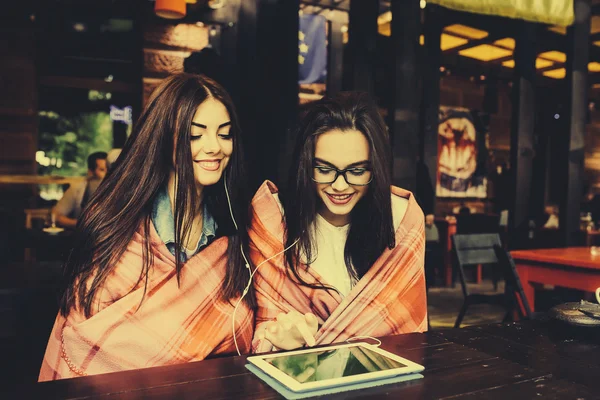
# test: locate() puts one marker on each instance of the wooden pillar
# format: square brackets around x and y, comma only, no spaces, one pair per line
[335,57]
[523,124]
[359,71]
[406,17]
[430,104]
[266,70]
[578,39]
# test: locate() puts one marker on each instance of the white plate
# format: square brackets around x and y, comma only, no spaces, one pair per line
[53,230]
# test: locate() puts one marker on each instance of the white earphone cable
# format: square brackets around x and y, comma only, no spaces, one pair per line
[247,288]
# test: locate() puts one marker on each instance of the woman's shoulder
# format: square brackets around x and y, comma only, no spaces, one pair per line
[266,197]
[403,202]
[399,207]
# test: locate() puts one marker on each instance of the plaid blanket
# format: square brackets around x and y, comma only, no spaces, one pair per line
[389,299]
[172,325]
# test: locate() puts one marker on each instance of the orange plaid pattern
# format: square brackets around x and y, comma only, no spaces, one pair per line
[173,324]
[390,299]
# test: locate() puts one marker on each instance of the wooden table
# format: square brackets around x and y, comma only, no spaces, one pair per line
[534,359]
[570,267]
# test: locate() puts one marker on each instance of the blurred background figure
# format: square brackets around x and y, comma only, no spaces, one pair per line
[69,207]
[551,211]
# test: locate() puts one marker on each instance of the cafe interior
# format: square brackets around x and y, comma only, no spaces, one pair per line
[493,113]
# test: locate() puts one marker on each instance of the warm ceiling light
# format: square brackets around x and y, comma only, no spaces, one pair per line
[597,42]
[385,29]
[594,66]
[558,29]
[466,31]
[384,18]
[450,42]
[596,86]
[508,43]
[556,73]
[170,9]
[554,56]
[539,63]
[595,24]
[485,52]
[446,41]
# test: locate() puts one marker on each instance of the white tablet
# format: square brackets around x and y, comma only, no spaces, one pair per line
[336,365]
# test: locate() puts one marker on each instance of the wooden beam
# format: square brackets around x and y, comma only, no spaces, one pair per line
[359,72]
[574,141]
[88,83]
[405,110]
[430,106]
[335,58]
[523,125]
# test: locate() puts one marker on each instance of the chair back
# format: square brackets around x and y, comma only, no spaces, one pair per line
[475,249]
[511,277]
[486,248]
[477,223]
[32,214]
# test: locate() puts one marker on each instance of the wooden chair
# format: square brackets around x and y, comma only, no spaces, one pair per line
[486,249]
[32,214]
[479,223]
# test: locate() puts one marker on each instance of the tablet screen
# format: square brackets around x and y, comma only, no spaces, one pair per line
[338,363]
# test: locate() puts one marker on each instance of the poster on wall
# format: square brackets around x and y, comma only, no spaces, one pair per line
[462,153]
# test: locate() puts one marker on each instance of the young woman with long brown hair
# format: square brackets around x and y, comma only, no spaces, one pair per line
[157,263]
[354,263]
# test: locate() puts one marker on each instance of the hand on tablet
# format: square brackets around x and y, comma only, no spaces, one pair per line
[292,330]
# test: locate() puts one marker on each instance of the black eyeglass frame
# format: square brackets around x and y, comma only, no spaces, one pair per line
[342,172]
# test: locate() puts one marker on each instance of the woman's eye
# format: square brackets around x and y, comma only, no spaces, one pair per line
[195,137]
[324,170]
[226,136]
[358,171]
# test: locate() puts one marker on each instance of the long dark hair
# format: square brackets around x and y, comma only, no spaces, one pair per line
[124,199]
[371,225]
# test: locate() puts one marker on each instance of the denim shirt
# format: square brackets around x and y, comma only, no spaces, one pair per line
[164,222]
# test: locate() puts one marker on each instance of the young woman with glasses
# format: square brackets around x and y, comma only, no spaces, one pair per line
[353,264]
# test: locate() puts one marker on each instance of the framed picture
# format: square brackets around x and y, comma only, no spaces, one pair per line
[462,153]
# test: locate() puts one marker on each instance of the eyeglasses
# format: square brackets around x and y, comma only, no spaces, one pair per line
[355,176]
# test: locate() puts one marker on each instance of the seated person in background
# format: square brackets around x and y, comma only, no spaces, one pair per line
[464,209]
[69,208]
[551,211]
[354,244]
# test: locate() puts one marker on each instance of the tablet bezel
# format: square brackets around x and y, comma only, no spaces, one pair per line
[260,362]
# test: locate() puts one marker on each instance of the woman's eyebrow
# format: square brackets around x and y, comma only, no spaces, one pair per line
[223,125]
[354,164]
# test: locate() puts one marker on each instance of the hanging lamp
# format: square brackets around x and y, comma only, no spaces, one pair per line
[170,9]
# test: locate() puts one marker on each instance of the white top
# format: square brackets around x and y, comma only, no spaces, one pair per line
[330,242]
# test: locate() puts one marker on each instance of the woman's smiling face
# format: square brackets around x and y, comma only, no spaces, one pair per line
[342,150]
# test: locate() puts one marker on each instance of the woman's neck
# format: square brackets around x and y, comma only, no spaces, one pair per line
[333,219]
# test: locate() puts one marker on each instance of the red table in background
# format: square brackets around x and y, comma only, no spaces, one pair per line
[570,267]
[446,228]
